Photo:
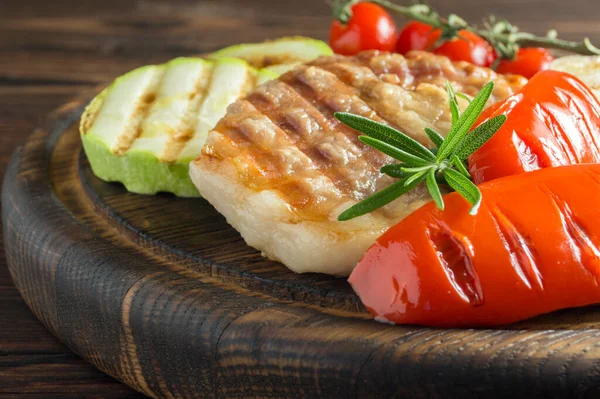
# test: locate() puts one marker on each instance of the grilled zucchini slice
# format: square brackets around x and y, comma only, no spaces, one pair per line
[146,127]
[287,51]
[149,124]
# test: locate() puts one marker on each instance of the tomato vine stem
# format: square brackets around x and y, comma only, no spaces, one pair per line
[505,37]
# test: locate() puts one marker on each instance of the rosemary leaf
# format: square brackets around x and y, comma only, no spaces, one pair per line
[435,137]
[377,200]
[417,177]
[394,170]
[464,123]
[394,152]
[418,169]
[452,101]
[464,187]
[464,96]
[434,189]
[460,166]
[479,136]
[444,164]
[385,133]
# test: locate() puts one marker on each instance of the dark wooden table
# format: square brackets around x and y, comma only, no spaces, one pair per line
[50,51]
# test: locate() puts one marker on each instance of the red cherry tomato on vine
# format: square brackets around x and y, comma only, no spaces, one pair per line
[468,47]
[369,28]
[416,36]
[529,61]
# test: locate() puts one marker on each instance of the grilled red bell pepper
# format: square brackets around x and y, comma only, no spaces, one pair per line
[533,247]
[553,120]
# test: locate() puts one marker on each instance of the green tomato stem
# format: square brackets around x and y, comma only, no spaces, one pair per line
[506,44]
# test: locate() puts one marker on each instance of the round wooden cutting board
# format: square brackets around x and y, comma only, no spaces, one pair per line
[161,293]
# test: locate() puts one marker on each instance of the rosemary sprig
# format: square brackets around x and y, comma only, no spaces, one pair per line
[444,163]
[505,37]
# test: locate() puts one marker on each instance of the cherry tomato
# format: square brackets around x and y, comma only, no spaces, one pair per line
[369,28]
[417,36]
[529,61]
[468,47]
[553,120]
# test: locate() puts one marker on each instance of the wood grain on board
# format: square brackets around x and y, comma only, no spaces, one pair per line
[51,52]
[162,294]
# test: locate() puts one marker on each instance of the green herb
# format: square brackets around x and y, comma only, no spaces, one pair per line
[444,163]
[501,34]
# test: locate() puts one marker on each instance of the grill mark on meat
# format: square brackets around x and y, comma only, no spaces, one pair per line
[297,122]
[263,166]
[403,78]
[339,142]
[355,104]
[384,99]
[250,159]
[348,76]
[284,167]
[267,139]
[231,138]
[265,100]
[369,82]
[411,69]
[330,97]
[354,75]
[308,140]
[420,67]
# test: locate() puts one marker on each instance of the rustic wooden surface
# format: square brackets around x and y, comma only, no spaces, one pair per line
[162,294]
[51,51]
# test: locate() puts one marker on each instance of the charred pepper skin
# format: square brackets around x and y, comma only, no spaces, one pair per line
[553,120]
[532,248]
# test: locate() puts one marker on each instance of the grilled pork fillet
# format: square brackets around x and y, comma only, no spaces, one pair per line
[281,168]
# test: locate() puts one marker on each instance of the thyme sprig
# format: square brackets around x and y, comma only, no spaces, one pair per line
[444,163]
[502,35]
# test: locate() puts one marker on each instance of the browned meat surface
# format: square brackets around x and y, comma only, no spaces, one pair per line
[282,148]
